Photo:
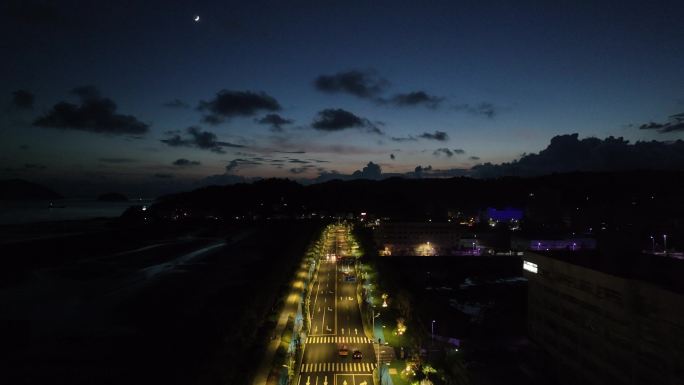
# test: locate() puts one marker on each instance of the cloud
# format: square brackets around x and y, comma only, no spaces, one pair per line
[474,158]
[674,124]
[568,153]
[440,136]
[371,171]
[23,99]
[437,135]
[443,151]
[404,139]
[485,109]
[415,98]
[458,151]
[34,166]
[117,160]
[227,104]
[163,175]
[362,84]
[337,119]
[298,161]
[275,121]
[420,169]
[182,162]
[94,114]
[204,140]
[300,170]
[176,103]
[234,164]
[393,157]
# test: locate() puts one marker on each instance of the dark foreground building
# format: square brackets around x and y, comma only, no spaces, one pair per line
[617,320]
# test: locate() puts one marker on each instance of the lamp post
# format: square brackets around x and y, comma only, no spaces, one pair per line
[652,244]
[665,243]
[433,330]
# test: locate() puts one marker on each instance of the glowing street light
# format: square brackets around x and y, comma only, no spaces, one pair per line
[665,243]
[433,330]
[652,244]
[384,300]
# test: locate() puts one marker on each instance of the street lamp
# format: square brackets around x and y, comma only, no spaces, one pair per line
[665,243]
[433,330]
[652,244]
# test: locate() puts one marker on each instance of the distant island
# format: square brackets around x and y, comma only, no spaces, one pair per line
[112,197]
[18,189]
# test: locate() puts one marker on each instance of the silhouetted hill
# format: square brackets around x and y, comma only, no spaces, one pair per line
[646,193]
[17,189]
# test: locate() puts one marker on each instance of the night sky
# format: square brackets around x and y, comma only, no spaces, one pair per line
[140,97]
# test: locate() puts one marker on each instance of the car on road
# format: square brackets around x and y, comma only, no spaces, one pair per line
[357,355]
[343,352]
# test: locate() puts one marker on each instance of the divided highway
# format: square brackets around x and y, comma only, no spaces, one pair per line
[336,325]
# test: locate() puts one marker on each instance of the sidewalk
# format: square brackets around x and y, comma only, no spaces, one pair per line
[261,376]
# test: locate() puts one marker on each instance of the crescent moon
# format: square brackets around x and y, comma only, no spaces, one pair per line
[197,18]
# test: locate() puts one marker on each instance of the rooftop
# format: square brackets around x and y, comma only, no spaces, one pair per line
[657,269]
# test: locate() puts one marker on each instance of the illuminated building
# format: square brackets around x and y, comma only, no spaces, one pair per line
[417,238]
[616,321]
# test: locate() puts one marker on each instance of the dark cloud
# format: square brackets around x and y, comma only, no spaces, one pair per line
[176,103]
[415,98]
[443,151]
[275,121]
[235,163]
[23,99]
[363,84]
[440,136]
[458,151]
[337,119]
[567,153]
[392,157]
[437,135]
[204,140]
[298,161]
[298,170]
[94,114]
[674,124]
[185,162]
[420,169]
[486,109]
[371,171]
[163,175]
[474,158]
[227,104]
[117,160]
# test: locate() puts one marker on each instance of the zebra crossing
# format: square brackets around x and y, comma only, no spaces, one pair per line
[356,367]
[338,340]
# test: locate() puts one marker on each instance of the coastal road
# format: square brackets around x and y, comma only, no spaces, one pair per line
[336,324]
